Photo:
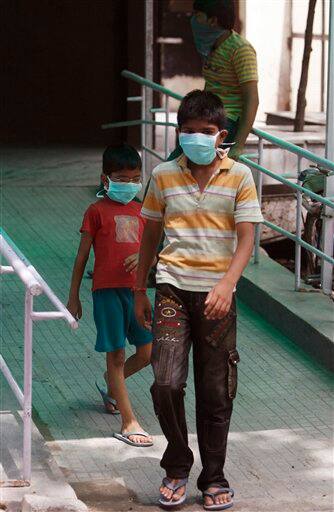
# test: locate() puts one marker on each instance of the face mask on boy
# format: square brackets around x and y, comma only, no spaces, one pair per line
[121,192]
[200,148]
[205,36]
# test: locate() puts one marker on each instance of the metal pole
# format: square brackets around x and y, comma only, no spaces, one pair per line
[143,132]
[328,217]
[27,426]
[323,48]
[149,76]
[166,127]
[298,230]
[259,182]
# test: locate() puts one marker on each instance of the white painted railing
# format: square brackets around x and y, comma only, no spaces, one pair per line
[34,285]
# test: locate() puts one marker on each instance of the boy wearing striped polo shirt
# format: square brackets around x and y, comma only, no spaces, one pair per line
[207,205]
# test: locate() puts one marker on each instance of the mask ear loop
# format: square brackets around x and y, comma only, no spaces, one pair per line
[222,153]
[228,144]
[101,193]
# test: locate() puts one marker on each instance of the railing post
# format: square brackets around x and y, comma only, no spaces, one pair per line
[149,45]
[27,422]
[166,127]
[259,182]
[143,132]
[328,213]
[298,229]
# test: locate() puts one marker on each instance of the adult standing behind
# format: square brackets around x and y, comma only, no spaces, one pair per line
[229,67]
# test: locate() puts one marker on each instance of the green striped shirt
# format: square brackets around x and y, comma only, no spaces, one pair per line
[231,64]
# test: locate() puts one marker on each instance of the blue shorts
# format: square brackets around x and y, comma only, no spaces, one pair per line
[115,320]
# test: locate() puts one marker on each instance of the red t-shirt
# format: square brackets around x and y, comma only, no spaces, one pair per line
[116,229]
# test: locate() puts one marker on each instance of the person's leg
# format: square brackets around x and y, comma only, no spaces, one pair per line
[133,364]
[136,335]
[139,360]
[170,353]
[115,368]
[215,359]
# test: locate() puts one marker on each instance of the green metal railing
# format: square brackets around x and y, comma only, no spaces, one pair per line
[301,154]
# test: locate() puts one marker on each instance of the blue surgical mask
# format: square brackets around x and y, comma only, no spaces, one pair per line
[121,192]
[199,147]
[205,36]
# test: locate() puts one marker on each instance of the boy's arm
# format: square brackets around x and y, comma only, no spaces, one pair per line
[245,66]
[219,299]
[148,248]
[74,305]
[250,103]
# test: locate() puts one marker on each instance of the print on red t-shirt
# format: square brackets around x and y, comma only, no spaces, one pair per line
[116,229]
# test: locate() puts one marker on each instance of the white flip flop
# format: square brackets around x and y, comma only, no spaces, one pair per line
[124,436]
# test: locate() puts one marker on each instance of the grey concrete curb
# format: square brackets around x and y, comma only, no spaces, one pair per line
[49,491]
[33,503]
[307,318]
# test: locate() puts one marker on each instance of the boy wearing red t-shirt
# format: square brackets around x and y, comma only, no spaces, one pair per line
[114,227]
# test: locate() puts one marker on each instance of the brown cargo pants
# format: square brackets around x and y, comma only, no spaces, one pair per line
[179,322]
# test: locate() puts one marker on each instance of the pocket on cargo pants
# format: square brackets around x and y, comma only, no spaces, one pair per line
[233,361]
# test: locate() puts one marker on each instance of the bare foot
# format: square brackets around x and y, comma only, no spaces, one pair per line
[220,499]
[135,427]
[108,405]
[168,493]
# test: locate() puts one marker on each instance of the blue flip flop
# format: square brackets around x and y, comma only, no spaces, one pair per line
[213,495]
[173,487]
[107,400]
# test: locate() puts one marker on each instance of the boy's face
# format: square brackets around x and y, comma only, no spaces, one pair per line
[123,176]
[202,126]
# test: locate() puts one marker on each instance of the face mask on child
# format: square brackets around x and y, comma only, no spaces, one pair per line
[200,148]
[121,192]
[205,36]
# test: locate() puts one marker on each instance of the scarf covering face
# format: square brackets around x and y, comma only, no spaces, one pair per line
[205,36]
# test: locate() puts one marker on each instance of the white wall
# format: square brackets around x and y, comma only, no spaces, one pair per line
[265,21]
[264,28]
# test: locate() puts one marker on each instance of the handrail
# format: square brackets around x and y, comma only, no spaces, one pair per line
[35,285]
[294,186]
[299,240]
[153,85]
[20,268]
[293,148]
[29,269]
[135,122]
[245,159]
[300,152]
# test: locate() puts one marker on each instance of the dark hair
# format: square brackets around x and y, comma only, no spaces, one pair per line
[119,157]
[202,105]
[223,10]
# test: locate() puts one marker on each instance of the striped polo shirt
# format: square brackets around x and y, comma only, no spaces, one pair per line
[200,228]
[228,66]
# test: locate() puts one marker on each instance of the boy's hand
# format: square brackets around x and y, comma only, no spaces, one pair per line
[131,262]
[219,299]
[75,308]
[143,310]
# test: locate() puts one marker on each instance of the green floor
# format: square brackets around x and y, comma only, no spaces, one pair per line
[44,223]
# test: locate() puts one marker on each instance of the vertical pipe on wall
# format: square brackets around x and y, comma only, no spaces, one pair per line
[328,217]
[149,76]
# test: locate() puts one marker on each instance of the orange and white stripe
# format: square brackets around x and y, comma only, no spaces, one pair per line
[200,228]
